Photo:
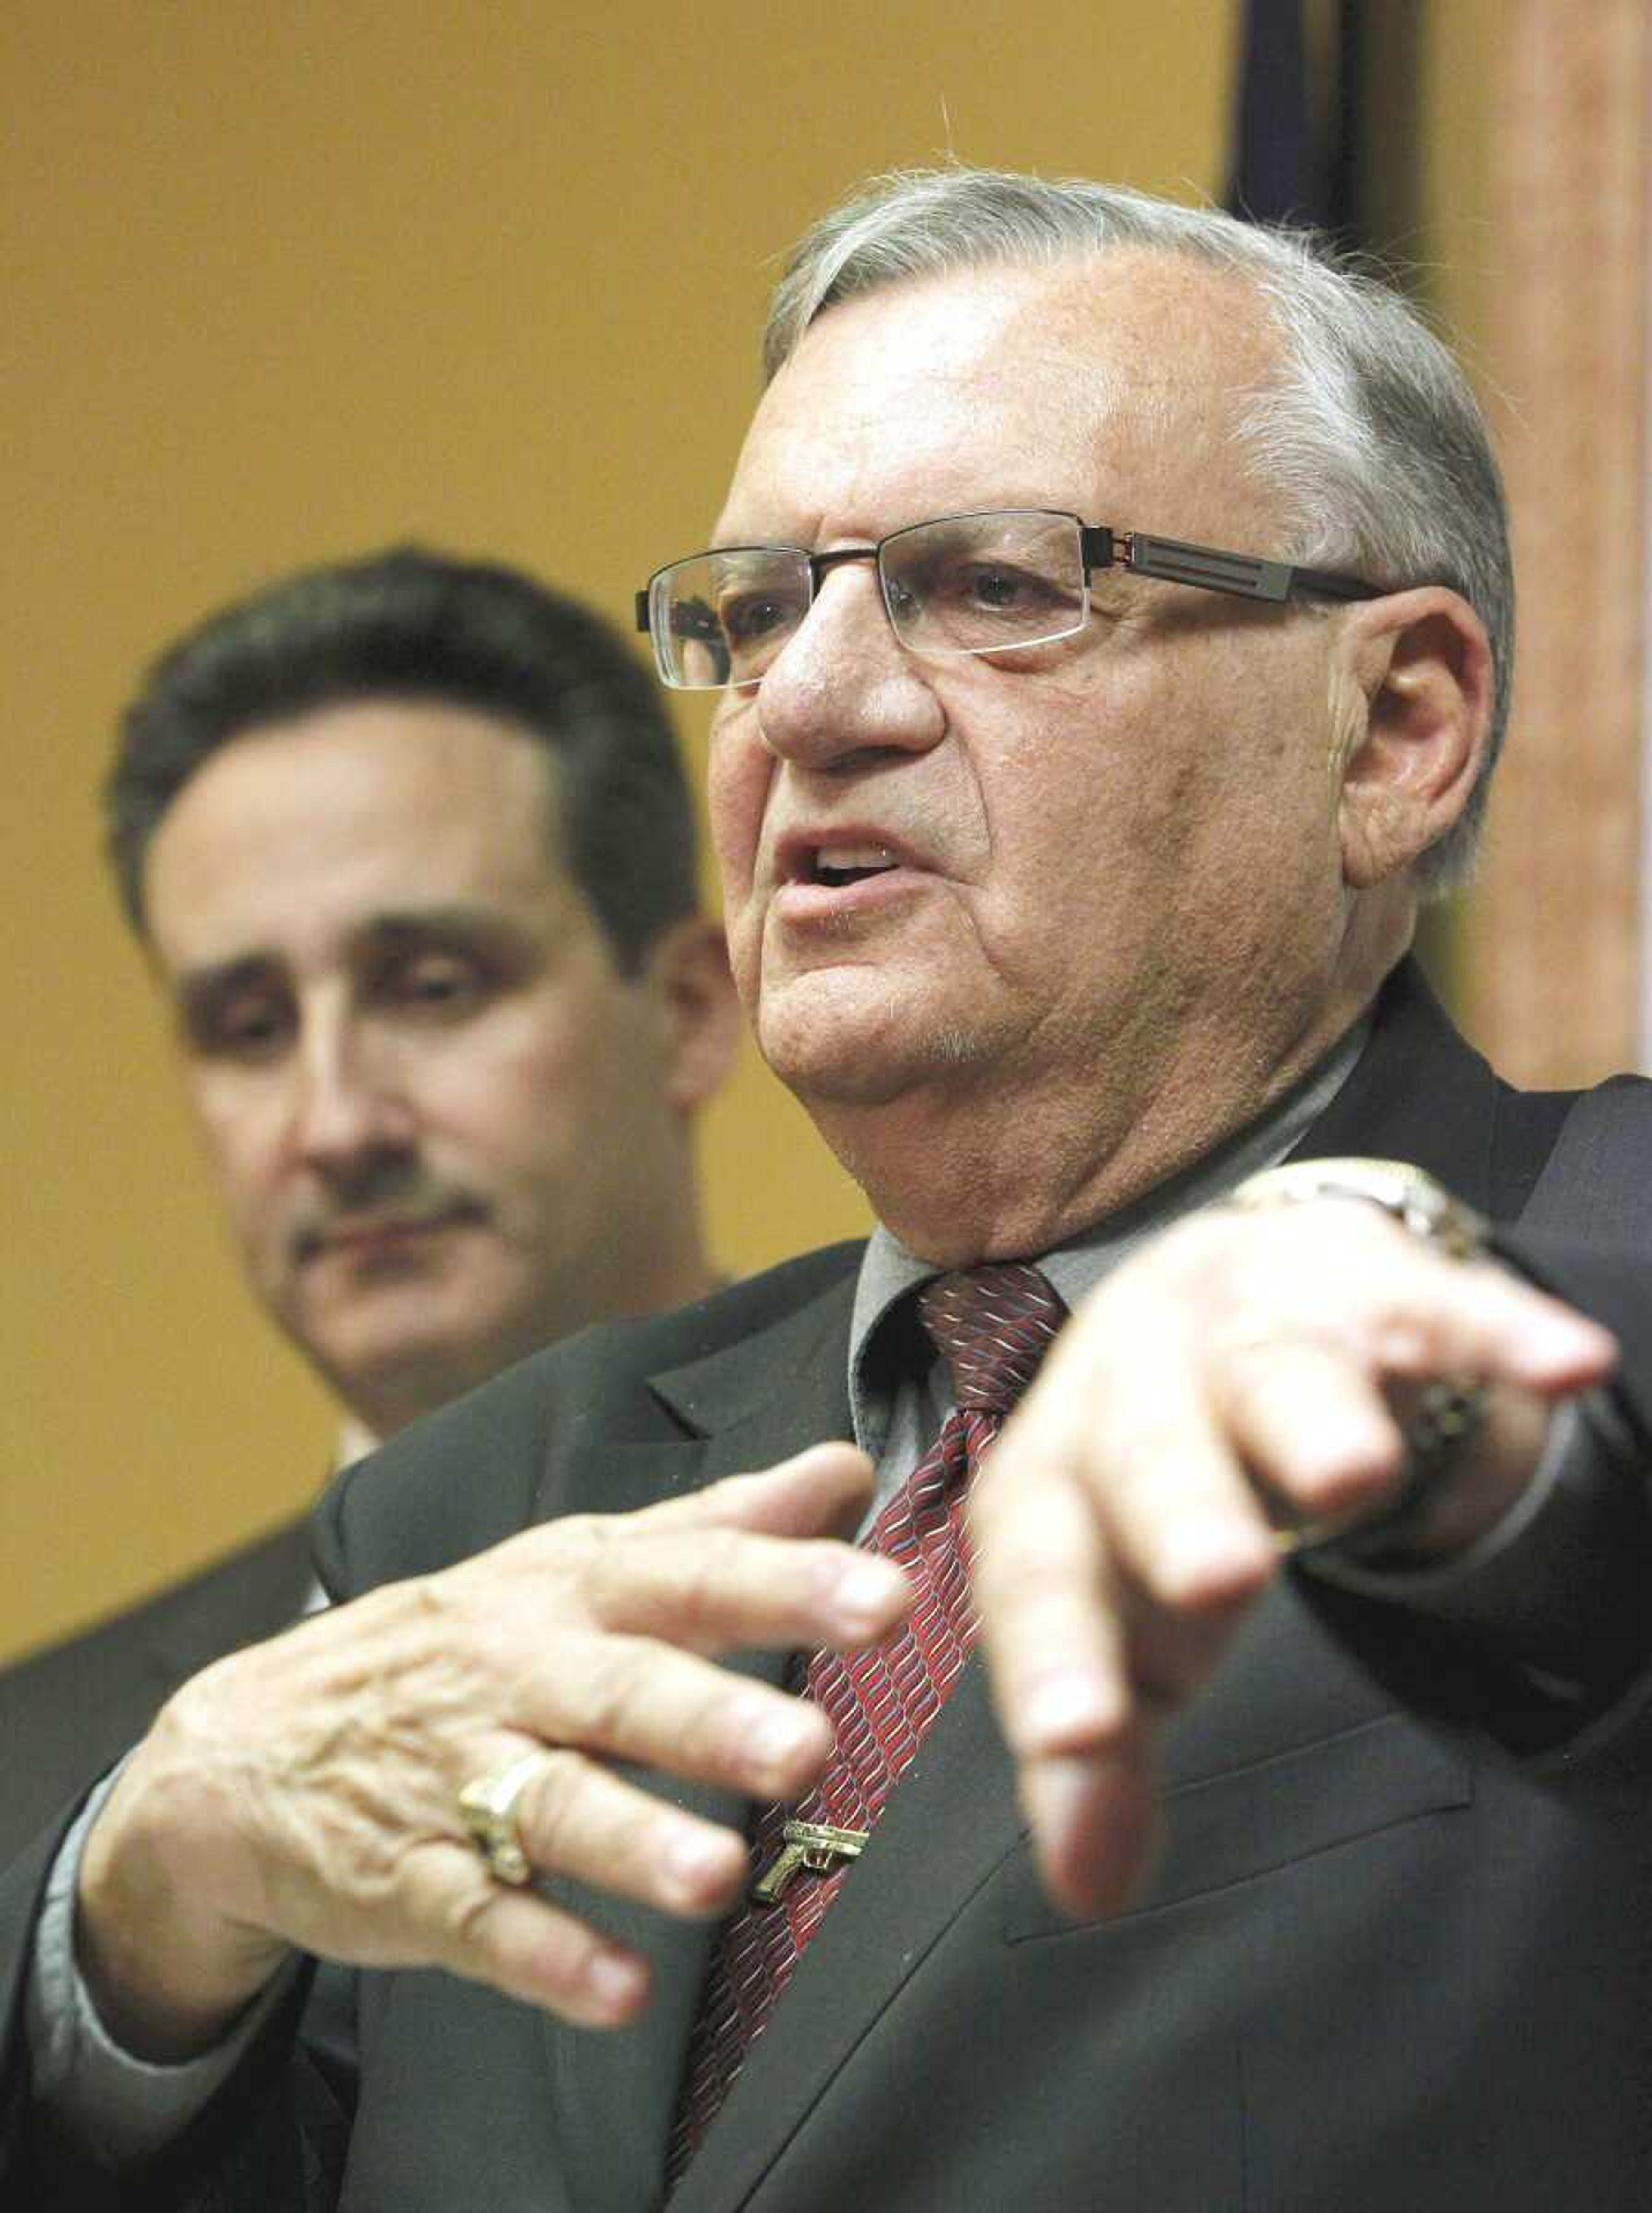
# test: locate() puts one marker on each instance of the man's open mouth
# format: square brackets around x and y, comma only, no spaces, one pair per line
[836,865]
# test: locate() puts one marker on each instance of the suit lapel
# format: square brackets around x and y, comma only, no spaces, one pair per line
[741,1409]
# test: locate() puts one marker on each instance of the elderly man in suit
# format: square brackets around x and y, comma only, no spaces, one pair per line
[409,847]
[1231,1793]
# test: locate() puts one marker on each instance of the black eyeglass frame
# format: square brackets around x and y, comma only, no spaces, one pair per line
[1167,560]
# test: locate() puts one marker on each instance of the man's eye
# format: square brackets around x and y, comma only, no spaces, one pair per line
[962,594]
[251,1030]
[1000,589]
[438,983]
[749,618]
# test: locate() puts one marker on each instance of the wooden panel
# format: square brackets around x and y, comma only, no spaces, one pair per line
[1548,943]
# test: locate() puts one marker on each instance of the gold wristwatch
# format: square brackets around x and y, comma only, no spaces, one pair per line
[1416,1201]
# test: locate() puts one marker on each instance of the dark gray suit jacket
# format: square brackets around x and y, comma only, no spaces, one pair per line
[1398,1953]
[69,1712]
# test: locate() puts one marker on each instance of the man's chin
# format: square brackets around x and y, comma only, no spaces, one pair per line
[859,1038]
[410,1343]
[863,1058]
[842,1072]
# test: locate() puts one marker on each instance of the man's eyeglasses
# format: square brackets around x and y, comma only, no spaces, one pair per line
[992,582]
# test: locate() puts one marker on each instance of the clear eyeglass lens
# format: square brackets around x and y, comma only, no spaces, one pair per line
[722,618]
[966,583]
[984,583]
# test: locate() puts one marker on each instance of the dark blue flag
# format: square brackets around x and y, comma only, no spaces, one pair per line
[1296,117]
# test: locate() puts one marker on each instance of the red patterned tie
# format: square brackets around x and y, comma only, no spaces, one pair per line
[992,1326]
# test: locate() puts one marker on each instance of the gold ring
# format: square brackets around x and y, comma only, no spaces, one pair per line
[487,1807]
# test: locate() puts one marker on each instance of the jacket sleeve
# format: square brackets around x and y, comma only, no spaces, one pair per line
[1586,1565]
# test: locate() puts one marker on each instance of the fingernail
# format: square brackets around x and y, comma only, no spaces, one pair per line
[1562,1338]
[1060,1711]
[616,1983]
[866,1590]
[698,1862]
[1208,1555]
[774,1739]
[1060,1791]
[1095,1834]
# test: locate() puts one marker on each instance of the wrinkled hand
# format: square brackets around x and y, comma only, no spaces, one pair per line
[1237,1373]
[301,1794]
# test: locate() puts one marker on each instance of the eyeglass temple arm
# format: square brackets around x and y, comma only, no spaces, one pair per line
[1174,561]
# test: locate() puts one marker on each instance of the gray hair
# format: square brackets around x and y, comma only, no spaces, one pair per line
[1370,433]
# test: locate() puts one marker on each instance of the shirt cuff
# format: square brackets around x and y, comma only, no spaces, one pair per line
[117,2109]
[1542,1583]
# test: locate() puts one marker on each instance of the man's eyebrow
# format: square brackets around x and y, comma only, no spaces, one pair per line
[399,920]
[200,990]
[455,924]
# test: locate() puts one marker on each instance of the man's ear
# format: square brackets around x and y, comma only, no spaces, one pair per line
[688,972]
[1413,705]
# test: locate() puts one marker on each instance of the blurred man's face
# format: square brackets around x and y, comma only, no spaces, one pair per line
[439,1117]
[1092,882]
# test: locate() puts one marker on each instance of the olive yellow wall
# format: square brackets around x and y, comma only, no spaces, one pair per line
[284,283]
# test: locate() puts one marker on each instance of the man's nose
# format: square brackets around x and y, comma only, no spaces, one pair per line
[349,1101]
[844,686]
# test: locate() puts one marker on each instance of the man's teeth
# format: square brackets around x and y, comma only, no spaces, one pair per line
[832,861]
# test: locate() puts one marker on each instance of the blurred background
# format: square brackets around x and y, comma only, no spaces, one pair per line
[283,284]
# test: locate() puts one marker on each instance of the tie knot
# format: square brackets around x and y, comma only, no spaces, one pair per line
[992,1325]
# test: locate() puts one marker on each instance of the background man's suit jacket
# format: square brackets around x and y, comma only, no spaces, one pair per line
[1396,1952]
[68,1712]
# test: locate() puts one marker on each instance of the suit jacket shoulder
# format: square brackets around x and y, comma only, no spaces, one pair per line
[590,1425]
[68,1712]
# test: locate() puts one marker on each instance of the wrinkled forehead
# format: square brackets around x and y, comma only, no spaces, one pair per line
[1094,379]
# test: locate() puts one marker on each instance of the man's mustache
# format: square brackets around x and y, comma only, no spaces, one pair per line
[388,1197]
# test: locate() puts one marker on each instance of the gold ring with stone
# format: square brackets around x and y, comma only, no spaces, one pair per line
[487,1807]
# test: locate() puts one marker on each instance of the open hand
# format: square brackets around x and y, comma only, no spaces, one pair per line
[303,1793]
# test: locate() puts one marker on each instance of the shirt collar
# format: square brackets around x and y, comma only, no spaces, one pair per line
[354,1442]
[889,1273]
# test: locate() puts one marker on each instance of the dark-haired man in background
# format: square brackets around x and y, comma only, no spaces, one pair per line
[408,844]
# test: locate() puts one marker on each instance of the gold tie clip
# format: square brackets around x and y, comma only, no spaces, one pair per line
[811,1845]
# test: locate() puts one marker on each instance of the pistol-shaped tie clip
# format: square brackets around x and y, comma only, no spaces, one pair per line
[811,1845]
